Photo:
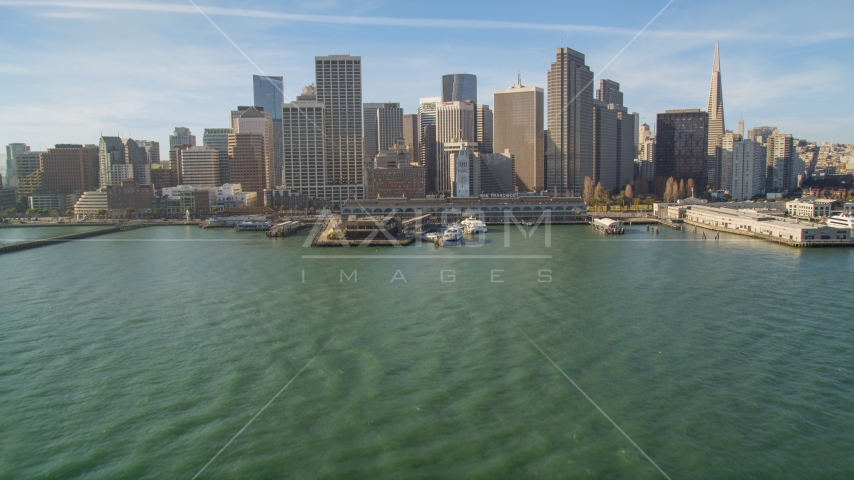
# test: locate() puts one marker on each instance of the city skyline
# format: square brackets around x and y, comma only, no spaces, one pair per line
[655,74]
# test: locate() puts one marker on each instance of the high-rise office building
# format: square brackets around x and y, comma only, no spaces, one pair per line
[152,150]
[780,174]
[339,89]
[570,119]
[120,158]
[410,134]
[459,87]
[302,124]
[613,138]
[182,136]
[716,123]
[681,145]
[741,128]
[111,153]
[218,138]
[455,122]
[383,124]
[370,137]
[389,119]
[518,127]
[200,166]
[727,151]
[253,120]
[269,95]
[748,169]
[427,147]
[12,152]
[29,172]
[483,128]
[609,92]
[67,169]
[247,161]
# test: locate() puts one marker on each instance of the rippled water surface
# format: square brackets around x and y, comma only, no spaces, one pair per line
[141,354]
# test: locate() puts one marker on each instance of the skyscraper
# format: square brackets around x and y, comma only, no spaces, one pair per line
[12,152]
[67,169]
[681,145]
[251,120]
[369,129]
[410,134]
[518,127]
[200,166]
[389,120]
[339,90]
[728,142]
[570,119]
[218,138]
[614,138]
[459,87]
[455,122]
[302,124]
[716,123]
[483,128]
[247,158]
[780,173]
[748,169]
[269,95]
[182,136]
[428,150]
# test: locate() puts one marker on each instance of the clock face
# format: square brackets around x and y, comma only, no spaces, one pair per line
[462,178]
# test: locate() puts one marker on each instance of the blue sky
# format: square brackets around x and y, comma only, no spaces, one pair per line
[73,69]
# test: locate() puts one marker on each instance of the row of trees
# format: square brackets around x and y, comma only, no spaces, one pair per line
[669,190]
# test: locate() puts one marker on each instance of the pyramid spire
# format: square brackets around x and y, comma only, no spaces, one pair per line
[717,66]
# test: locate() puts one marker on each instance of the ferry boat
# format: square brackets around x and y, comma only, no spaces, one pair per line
[452,236]
[251,226]
[843,220]
[472,225]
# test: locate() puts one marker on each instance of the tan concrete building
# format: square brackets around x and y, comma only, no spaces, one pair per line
[250,120]
[518,127]
[406,180]
[200,166]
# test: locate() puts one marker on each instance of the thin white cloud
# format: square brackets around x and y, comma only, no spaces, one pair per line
[68,15]
[175,8]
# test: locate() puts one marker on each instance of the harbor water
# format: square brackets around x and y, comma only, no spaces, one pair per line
[141,354]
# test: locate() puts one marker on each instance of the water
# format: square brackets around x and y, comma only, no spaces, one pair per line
[141,354]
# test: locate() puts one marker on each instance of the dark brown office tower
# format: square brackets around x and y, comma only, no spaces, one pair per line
[246,161]
[681,145]
[67,169]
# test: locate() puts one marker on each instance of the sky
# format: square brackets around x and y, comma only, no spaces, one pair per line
[71,70]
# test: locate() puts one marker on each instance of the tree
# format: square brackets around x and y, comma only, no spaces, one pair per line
[641,187]
[69,213]
[622,199]
[588,190]
[101,213]
[669,196]
[159,211]
[128,212]
[10,212]
[691,185]
[602,194]
[31,211]
[629,192]
[682,191]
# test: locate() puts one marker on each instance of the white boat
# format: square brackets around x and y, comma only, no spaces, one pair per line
[843,220]
[472,225]
[452,235]
[432,236]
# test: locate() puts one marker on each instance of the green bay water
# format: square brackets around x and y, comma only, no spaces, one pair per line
[141,354]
